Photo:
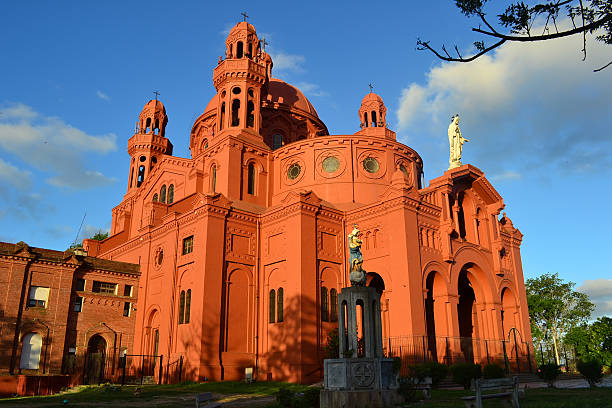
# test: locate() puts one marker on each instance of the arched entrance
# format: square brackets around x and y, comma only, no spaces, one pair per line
[95,359]
[465,307]
[436,317]
[376,281]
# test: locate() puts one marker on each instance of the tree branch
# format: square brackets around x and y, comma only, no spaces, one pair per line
[592,26]
[604,67]
[425,45]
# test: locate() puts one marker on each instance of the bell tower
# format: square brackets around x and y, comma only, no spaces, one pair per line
[373,117]
[149,142]
[239,80]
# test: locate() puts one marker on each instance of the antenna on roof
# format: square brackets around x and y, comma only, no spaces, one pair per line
[79,231]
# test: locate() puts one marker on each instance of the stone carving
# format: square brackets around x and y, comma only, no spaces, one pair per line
[357,274]
[363,374]
[456,142]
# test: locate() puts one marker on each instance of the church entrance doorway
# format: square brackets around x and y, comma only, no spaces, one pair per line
[95,360]
[465,312]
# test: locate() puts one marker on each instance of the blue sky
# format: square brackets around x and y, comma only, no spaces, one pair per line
[75,75]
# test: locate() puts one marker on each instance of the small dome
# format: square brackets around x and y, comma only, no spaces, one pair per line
[154,105]
[371,97]
[243,25]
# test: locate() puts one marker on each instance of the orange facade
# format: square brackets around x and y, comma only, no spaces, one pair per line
[242,247]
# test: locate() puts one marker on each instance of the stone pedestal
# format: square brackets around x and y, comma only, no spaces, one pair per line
[366,379]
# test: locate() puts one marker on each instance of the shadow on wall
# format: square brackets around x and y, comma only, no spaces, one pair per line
[289,356]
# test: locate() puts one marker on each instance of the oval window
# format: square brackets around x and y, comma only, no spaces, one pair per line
[160,257]
[371,165]
[293,171]
[236,91]
[143,158]
[331,164]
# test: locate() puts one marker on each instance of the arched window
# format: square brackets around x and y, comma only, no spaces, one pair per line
[272,306]
[156,344]
[250,50]
[188,306]
[156,130]
[324,305]
[333,302]
[235,111]
[141,174]
[250,114]
[171,194]
[251,179]
[279,303]
[30,351]
[155,198]
[148,125]
[214,178]
[374,119]
[239,49]
[162,194]
[222,121]
[277,141]
[365,119]
[181,315]
[131,177]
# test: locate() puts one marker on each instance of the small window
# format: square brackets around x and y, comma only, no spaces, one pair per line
[293,171]
[39,296]
[222,120]
[127,306]
[239,49]
[171,194]
[78,304]
[324,305]
[374,124]
[272,306]
[155,198]
[235,112]
[141,174]
[333,303]
[279,304]
[181,316]
[277,141]
[104,287]
[365,119]
[188,306]
[127,291]
[251,179]
[371,165]
[214,179]
[250,114]
[188,245]
[162,194]
[80,284]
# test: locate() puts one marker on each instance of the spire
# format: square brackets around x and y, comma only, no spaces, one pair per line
[372,112]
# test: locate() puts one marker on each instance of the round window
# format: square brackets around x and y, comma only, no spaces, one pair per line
[294,171]
[160,257]
[236,91]
[371,165]
[143,158]
[331,164]
[154,160]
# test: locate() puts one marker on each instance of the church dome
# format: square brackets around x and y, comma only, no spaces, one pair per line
[154,105]
[371,97]
[243,25]
[278,92]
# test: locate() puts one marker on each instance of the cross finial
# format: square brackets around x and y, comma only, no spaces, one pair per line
[371,87]
[156,92]
[264,43]
[244,15]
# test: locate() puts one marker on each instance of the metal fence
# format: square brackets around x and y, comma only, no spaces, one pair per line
[142,369]
[514,356]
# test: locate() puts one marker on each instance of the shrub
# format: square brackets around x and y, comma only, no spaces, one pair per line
[549,372]
[397,365]
[435,370]
[284,397]
[464,373]
[493,371]
[591,370]
[311,397]
[307,399]
[407,389]
[332,346]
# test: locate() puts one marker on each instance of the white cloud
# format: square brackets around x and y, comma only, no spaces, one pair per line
[507,175]
[288,62]
[51,145]
[524,106]
[600,293]
[310,89]
[103,96]
[12,175]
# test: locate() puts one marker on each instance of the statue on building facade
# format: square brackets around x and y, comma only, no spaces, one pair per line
[456,141]
[357,275]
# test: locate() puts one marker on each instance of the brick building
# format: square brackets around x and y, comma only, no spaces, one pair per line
[59,309]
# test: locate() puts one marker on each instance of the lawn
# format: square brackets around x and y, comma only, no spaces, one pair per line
[260,394]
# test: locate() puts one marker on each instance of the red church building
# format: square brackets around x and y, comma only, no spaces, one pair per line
[242,246]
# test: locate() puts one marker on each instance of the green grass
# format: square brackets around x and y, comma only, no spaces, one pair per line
[181,395]
[124,396]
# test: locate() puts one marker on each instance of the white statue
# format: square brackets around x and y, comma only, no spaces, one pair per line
[456,141]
